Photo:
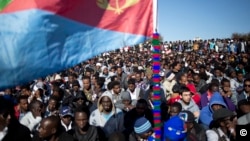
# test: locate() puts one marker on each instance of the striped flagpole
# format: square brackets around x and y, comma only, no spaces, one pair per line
[156,75]
[156,87]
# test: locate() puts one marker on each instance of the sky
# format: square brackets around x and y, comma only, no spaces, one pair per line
[206,19]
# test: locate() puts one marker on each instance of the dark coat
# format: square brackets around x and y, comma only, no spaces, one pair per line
[62,137]
[91,135]
[17,132]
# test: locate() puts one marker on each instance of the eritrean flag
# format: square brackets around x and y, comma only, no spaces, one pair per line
[40,37]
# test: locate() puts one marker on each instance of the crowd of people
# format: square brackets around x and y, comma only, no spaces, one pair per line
[205,93]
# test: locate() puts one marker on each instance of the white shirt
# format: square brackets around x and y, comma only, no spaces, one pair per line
[133,95]
[3,133]
[67,128]
[30,121]
[213,136]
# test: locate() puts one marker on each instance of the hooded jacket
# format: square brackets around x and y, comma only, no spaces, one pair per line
[110,124]
[206,115]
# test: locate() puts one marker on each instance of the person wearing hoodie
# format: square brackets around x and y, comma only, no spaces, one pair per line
[107,117]
[206,114]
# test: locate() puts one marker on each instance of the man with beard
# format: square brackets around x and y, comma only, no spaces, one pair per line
[107,117]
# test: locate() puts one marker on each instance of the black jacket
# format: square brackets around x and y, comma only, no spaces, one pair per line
[17,132]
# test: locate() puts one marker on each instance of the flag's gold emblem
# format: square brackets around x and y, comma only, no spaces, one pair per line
[118,9]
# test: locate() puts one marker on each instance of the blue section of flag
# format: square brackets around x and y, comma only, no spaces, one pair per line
[35,43]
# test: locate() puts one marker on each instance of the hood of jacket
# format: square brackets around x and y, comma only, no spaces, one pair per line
[107,94]
[217,99]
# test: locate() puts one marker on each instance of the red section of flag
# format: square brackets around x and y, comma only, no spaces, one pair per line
[136,18]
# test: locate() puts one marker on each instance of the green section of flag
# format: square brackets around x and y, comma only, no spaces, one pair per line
[4,3]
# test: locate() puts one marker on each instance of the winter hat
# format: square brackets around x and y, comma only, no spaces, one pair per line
[222,113]
[125,95]
[170,76]
[174,129]
[142,125]
[187,116]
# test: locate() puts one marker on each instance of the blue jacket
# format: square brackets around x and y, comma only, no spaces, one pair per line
[206,115]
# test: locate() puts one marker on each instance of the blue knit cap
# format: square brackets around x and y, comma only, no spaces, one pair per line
[142,125]
[174,129]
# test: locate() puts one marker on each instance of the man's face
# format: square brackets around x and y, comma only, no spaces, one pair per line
[45,129]
[196,79]
[23,104]
[75,88]
[26,92]
[217,73]
[140,109]
[215,89]
[173,111]
[178,67]
[66,119]
[146,135]
[126,102]
[247,86]
[117,89]
[52,105]
[131,87]
[105,71]
[216,107]
[80,101]
[184,80]
[240,77]
[81,119]
[186,97]
[71,78]
[138,77]
[86,83]
[88,73]
[189,125]
[245,109]
[106,103]
[226,86]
